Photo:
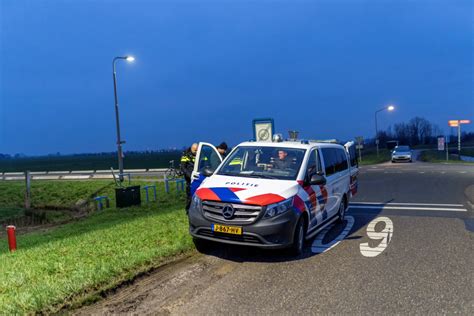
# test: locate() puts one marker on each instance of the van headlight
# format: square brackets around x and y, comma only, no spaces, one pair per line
[196,203]
[278,208]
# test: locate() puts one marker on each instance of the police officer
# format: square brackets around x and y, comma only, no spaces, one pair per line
[222,149]
[187,165]
[283,161]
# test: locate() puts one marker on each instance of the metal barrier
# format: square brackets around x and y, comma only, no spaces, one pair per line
[100,204]
[146,187]
[179,184]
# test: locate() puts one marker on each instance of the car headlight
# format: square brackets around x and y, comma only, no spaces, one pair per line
[196,203]
[278,208]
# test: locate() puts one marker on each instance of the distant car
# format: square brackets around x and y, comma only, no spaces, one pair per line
[402,153]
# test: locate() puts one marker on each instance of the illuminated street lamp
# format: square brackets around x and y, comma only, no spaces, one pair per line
[388,108]
[117,119]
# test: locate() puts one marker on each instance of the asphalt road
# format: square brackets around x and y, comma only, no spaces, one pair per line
[421,263]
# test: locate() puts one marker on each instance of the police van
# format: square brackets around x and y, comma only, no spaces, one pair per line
[270,194]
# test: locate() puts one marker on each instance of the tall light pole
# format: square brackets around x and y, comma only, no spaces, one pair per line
[388,108]
[117,117]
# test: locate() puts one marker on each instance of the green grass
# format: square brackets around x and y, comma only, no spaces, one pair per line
[11,212]
[467,152]
[73,263]
[369,156]
[133,160]
[52,194]
[440,157]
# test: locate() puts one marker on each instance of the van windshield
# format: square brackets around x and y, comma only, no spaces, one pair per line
[263,162]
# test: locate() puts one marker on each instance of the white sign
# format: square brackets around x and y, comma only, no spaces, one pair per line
[440,143]
[263,132]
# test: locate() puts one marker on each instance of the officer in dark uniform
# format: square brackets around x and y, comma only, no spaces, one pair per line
[283,161]
[222,149]
[187,165]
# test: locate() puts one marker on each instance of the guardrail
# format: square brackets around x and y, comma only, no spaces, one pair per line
[78,174]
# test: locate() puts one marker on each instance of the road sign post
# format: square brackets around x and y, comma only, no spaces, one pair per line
[359,146]
[457,123]
[447,151]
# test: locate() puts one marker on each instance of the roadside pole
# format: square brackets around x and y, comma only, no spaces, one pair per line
[459,140]
[359,146]
[28,190]
[447,151]
[457,123]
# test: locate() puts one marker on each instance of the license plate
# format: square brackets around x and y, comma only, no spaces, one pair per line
[234,230]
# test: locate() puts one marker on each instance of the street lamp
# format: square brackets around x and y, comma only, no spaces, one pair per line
[388,108]
[117,118]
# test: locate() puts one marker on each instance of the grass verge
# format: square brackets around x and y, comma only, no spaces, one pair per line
[440,157]
[72,263]
[369,156]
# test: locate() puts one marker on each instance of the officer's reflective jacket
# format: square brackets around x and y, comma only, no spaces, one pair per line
[187,164]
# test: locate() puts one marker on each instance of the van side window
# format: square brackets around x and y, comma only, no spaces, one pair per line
[312,166]
[353,154]
[341,164]
[330,160]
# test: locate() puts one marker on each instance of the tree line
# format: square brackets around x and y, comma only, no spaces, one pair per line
[417,131]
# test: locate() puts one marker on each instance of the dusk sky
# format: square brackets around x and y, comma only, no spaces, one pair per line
[205,69]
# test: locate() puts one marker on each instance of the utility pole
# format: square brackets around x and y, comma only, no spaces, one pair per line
[117,116]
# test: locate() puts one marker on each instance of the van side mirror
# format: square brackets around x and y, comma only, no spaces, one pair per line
[207,171]
[317,179]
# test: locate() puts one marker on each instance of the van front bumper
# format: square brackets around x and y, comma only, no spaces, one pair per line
[272,233]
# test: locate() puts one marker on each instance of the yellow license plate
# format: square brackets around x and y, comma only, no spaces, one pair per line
[234,230]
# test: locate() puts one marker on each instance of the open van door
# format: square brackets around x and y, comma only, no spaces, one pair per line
[207,156]
[353,166]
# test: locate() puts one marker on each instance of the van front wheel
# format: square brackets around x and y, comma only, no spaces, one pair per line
[342,211]
[298,240]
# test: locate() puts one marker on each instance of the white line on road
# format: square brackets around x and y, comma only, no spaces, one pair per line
[394,203]
[382,207]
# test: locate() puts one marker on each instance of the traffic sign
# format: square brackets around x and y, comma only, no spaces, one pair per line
[263,129]
[457,123]
[440,143]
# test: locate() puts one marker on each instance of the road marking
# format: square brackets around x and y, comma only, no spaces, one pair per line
[394,203]
[382,207]
[462,171]
[385,235]
[319,247]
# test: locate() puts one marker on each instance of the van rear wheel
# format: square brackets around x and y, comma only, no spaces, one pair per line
[298,239]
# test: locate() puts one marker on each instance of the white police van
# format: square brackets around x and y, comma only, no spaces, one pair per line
[270,194]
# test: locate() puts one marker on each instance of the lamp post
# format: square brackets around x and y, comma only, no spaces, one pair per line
[388,108]
[117,117]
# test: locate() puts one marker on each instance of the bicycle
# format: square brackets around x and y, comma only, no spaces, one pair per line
[172,172]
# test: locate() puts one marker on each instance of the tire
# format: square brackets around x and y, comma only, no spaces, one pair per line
[298,239]
[341,212]
[170,174]
[201,245]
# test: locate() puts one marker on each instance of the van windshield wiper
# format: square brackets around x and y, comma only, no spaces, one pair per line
[264,176]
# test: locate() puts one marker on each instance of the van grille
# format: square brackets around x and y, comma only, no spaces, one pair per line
[244,214]
[241,238]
